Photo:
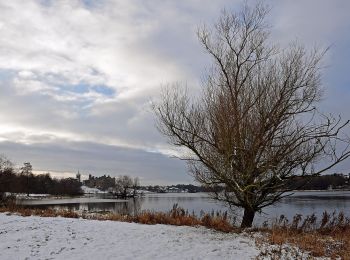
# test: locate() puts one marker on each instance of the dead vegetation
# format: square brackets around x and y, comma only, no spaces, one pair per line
[177,216]
[327,237]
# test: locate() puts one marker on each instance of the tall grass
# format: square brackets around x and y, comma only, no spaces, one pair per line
[176,216]
[328,236]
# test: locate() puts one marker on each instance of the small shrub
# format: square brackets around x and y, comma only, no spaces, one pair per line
[7,200]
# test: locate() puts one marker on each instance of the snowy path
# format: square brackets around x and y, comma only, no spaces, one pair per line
[62,238]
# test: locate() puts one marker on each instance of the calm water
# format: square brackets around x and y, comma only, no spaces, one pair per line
[304,203]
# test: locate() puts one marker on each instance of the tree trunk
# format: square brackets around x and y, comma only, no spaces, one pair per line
[248,218]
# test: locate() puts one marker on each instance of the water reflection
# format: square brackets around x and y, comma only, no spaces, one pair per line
[127,207]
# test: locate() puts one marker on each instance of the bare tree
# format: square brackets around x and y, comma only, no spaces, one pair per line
[123,184]
[26,171]
[6,173]
[135,185]
[255,124]
[5,164]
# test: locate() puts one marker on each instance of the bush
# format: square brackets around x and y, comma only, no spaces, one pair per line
[7,200]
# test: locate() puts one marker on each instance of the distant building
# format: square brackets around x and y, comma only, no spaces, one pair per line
[102,183]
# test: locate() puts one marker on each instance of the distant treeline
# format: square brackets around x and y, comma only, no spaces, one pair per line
[191,188]
[323,182]
[24,181]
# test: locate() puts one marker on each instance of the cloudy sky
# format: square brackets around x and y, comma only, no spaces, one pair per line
[77,77]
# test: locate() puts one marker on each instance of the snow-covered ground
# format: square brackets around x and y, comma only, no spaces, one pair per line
[63,238]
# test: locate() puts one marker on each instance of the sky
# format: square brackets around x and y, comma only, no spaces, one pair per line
[77,77]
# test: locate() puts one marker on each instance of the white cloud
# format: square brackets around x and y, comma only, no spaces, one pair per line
[66,44]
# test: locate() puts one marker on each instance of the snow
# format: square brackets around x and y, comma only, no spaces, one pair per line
[63,238]
[88,190]
[31,196]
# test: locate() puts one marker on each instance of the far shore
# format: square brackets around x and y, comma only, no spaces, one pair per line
[24,197]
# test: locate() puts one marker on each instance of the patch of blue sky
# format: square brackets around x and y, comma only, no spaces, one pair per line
[6,74]
[46,2]
[90,4]
[104,90]
[82,88]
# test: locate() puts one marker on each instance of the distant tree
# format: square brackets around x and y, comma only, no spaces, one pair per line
[69,186]
[256,123]
[44,184]
[7,172]
[26,172]
[79,176]
[5,164]
[123,184]
[7,177]
[135,185]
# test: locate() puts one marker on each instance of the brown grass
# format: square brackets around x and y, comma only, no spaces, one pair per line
[25,212]
[329,237]
[177,216]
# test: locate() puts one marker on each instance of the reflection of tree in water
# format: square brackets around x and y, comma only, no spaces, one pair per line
[73,206]
[177,198]
[130,207]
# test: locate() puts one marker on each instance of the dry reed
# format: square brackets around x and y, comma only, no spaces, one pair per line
[177,216]
[327,237]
